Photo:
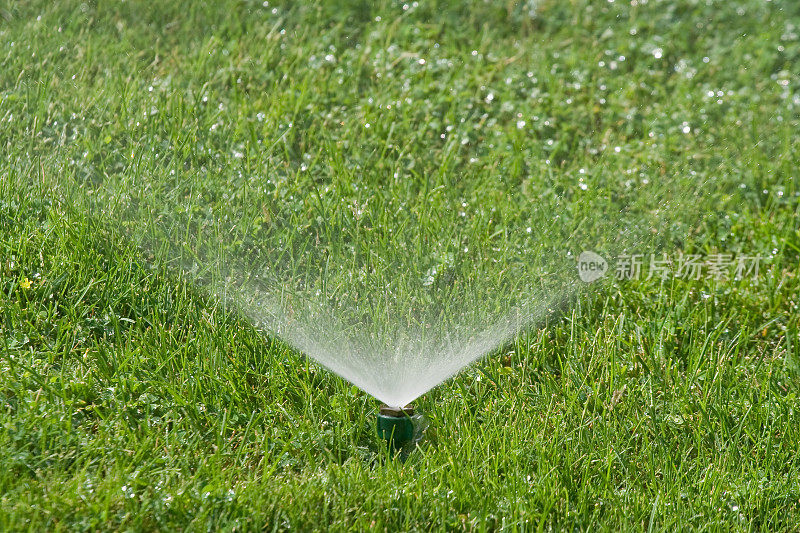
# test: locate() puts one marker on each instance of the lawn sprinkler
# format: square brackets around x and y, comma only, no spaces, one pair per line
[396,426]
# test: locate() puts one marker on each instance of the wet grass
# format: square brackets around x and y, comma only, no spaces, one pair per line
[130,400]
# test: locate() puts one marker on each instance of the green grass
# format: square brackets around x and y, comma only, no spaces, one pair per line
[130,399]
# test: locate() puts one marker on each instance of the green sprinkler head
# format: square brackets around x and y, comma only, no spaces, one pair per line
[395,426]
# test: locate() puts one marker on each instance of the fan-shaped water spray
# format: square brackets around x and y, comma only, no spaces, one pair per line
[342,268]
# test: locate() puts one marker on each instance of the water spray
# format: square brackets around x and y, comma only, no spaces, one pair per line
[395,310]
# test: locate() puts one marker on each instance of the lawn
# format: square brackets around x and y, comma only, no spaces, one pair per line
[156,154]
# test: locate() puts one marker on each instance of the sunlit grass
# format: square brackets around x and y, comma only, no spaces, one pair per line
[130,399]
